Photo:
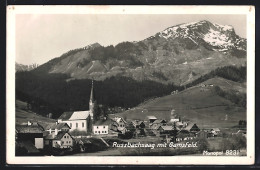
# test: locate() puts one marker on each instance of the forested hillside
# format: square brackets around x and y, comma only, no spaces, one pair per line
[46,93]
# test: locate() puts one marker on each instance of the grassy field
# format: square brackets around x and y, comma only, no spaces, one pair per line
[23,115]
[203,107]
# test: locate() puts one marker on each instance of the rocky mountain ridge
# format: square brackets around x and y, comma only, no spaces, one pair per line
[178,54]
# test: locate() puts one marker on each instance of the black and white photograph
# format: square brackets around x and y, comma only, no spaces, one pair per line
[130,84]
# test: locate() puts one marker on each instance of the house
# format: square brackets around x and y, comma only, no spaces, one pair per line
[57,127]
[118,124]
[138,124]
[165,129]
[60,140]
[32,132]
[151,119]
[80,120]
[191,128]
[160,122]
[215,132]
[179,124]
[101,127]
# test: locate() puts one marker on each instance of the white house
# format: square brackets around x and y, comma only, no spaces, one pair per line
[101,127]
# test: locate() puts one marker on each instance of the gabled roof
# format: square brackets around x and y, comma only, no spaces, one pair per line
[80,115]
[190,126]
[65,115]
[137,122]
[58,126]
[155,126]
[103,122]
[29,129]
[118,120]
[151,117]
[76,115]
[58,136]
[159,121]
[179,124]
[167,127]
[61,134]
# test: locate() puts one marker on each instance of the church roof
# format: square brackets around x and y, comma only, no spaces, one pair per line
[79,115]
[76,115]
[66,115]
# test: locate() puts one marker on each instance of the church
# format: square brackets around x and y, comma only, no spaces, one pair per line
[80,120]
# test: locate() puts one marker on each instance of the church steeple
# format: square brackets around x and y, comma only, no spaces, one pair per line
[91,100]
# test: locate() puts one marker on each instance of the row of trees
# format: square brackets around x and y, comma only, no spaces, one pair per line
[237,74]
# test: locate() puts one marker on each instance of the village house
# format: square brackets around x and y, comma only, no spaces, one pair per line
[160,122]
[165,129]
[215,132]
[189,132]
[57,127]
[80,120]
[138,124]
[61,139]
[102,127]
[32,132]
[118,124]
[151,119]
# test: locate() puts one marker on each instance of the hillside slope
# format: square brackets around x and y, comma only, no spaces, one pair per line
[199,105]
[23,115]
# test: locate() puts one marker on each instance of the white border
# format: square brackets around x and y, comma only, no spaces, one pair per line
[137,160]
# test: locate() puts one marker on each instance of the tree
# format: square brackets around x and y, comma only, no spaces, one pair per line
[96,112]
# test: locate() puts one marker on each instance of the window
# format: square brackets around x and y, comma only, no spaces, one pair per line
[102,131]
[65,136]
[97,127]
[76,125]
[95,131]
[70,125]
[62,142]
[82,124]
[104,127]
[105,131]
[98,131]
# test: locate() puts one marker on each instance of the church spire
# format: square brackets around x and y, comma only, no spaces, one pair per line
[91,99]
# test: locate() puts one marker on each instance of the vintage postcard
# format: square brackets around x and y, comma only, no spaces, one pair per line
[130,85]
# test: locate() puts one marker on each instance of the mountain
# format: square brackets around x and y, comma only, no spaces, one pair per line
[22,67]
[178,54]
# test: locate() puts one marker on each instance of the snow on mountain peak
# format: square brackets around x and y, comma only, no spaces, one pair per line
[221,37]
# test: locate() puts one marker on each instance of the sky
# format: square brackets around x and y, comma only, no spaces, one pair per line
[42,37]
